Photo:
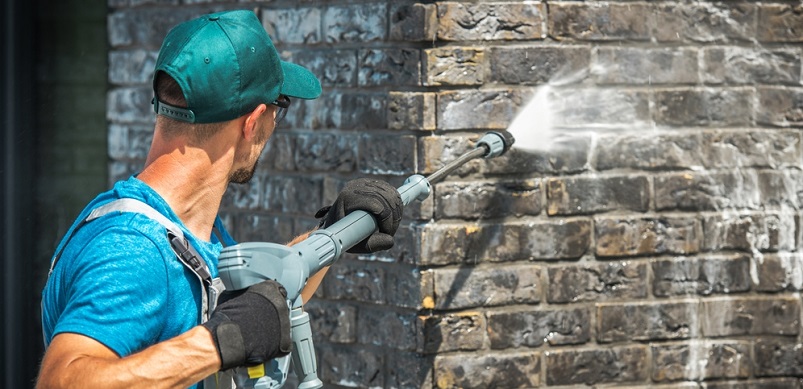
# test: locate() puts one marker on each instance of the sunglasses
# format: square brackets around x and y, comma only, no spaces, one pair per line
[282,102]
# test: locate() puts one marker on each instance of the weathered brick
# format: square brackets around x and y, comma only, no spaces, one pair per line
[324,152]
[333,323]
[331,67]
[357,281]
[728,316]
[646,236]
[352,367]
[362,111]
[447,243]
[482,200]
[411,111]
[475,109]
[593,194]
[389,67]
[131,66]
[704,191]
[534,328]
[780,22]
[778,357]
[413,22]
[770,149]
[701,360]
[770,383]
[470,287]
[291,194]
[410,288]
[454,66]
[596,282]
[130,105]
[749,232]
[386,328]
[250,196]
[598,21]
[126,25]
[689,107]
[618,322]
[703,22]
[491,21]
[779,271]
[647,152]
[704,276]
[529,65]
[279,153]
[464,331]
[355,23]
[780,106]
[555,239]
[256,227]
[382,154]
[741,65]
[629,65]
[293,25]
[129,142]
[593,366]
[408,370]
[508,370]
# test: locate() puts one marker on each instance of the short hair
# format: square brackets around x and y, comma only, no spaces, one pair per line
[168,90]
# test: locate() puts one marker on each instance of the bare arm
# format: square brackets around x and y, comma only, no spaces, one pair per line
[77,361]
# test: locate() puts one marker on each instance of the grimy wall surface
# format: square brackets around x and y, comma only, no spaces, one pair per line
[657,243]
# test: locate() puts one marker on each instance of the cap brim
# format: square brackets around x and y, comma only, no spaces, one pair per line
[299,82]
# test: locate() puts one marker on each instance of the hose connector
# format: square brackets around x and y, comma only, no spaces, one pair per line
[496,142]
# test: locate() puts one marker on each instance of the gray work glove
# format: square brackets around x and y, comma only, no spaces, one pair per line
[252,325]
[375,197]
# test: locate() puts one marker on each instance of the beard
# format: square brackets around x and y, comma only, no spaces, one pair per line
[243,175]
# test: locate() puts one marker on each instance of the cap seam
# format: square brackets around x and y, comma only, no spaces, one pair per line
[239,69]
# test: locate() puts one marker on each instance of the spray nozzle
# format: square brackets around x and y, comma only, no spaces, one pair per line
[496,142]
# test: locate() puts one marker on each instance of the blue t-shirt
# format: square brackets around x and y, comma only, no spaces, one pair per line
[118,280]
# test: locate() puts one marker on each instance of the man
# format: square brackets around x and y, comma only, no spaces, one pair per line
[125,305]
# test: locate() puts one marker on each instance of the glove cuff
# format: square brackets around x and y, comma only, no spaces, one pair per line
[228,342]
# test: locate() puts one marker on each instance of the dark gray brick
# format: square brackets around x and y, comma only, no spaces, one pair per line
[535,328]
[616,237]
[675,362]
[490,21]
[333,323]
[482,200]
[704,276]
[594,366]
[778,357]
[508,370]
[593,194]
[597,282]
[389,67]
[387,155]
[355,23]
[411,111]
[728,316]
[536,65]
[618,322]
[780,22]
[780,107]
[484,287]
[598,22]
[464,331]
[723,107]
[413,22]
[749,232]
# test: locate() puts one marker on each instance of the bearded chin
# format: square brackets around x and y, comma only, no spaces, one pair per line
[243,176]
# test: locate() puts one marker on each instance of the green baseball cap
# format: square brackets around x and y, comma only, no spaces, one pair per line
[226,65]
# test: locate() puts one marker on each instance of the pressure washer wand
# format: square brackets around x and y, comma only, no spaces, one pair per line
[246,264]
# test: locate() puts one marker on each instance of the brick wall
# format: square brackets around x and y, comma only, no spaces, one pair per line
[661,249]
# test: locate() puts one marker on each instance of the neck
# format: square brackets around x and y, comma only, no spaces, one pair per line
[191,179]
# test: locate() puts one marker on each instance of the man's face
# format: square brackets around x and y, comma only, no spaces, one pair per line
[266,125]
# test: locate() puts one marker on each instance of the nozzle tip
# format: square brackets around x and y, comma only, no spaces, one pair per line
[497,143]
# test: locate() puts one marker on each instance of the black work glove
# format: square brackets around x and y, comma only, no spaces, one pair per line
[252,325]
[375,197]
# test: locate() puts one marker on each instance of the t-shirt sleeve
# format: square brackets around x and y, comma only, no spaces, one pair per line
[118,291]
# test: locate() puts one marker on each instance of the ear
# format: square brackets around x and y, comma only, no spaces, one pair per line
[251,119]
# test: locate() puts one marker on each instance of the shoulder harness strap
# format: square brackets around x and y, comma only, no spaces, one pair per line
[189,257]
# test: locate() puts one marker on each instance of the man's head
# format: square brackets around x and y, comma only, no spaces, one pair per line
[221,67]
[226,65]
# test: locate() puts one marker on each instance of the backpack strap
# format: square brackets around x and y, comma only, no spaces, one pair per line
[187,255]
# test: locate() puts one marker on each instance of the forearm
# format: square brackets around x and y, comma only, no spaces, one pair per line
[176,363]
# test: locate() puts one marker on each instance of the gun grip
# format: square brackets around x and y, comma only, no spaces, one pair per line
[305,364]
